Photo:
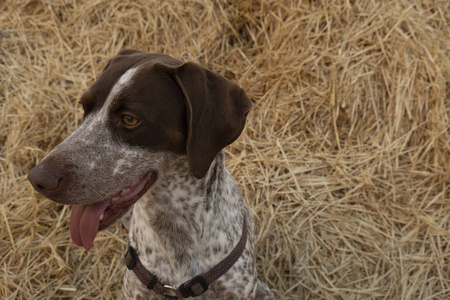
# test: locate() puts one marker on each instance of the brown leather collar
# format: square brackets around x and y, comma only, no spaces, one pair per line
[192,288]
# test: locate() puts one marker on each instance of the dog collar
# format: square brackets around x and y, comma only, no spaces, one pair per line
[191,288]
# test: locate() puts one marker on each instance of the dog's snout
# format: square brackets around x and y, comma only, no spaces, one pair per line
[44,180]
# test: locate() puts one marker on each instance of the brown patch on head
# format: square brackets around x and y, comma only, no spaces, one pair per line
[114,69]
[156,100]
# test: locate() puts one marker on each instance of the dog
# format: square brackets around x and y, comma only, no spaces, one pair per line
[151,143]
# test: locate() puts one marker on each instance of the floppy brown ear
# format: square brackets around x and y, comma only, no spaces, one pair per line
[216,114]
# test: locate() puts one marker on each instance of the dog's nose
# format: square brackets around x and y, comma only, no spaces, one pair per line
[44,180]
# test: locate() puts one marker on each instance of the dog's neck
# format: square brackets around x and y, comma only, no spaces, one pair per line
[181,227]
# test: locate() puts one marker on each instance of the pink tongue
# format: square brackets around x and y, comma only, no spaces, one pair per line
[84,221]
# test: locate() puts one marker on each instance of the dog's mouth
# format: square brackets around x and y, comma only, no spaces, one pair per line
[87,220]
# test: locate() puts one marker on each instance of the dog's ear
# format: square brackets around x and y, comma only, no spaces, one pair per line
[216,113]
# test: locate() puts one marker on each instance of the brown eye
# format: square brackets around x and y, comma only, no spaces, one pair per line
[130,120]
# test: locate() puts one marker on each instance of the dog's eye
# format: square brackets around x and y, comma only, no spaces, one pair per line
[130,120]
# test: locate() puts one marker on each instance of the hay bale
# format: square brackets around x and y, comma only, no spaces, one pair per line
[345,160]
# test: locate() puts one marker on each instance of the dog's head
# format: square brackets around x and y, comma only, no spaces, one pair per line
[141,111]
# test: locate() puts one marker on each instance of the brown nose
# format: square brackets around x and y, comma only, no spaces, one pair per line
[44,181]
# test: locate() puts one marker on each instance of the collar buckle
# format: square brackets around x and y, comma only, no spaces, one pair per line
[171,293]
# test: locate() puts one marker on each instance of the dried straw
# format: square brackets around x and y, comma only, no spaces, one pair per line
[345,160]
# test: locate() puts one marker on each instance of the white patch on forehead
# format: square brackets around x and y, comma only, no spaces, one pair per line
[123,81]
[95,120]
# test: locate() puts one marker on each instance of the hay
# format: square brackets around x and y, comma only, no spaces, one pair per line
[345,160]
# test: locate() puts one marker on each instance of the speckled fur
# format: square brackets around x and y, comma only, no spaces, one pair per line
[185,226]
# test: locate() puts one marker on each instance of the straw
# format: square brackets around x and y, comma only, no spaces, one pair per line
[345,159]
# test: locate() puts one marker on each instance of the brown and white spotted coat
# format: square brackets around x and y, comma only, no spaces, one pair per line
[151,141]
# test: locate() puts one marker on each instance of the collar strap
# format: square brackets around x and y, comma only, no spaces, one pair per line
[192,288]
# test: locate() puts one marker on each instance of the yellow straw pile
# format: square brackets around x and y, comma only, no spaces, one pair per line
[345,159]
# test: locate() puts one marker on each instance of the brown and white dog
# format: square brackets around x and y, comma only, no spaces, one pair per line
[151,141]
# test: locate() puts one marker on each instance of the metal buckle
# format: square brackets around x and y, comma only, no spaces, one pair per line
[171,292]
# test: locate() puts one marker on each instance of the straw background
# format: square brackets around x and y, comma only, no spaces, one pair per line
[345,159]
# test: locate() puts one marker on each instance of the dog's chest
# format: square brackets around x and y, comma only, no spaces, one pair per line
[168,223]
